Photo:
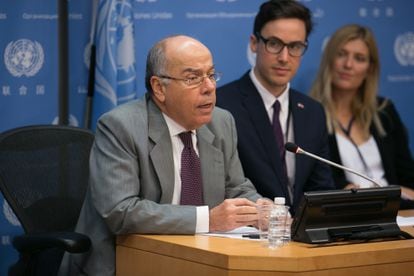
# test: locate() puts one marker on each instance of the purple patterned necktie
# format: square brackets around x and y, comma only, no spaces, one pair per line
[277,129]
[191,183]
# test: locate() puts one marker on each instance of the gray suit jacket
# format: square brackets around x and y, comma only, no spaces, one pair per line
[132,181]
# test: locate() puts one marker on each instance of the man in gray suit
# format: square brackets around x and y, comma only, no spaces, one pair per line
[135,161]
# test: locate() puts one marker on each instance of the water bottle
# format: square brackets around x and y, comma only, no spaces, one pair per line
[277,220]
[288,226]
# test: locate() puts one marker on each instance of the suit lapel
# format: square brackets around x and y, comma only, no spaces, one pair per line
[161,153]
[212,165]
[253,103]
[260,121]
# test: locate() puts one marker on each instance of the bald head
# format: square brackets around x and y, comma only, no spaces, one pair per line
[177,46]
[172,51]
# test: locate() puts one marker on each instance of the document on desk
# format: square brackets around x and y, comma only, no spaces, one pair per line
[245,232]
[405,221]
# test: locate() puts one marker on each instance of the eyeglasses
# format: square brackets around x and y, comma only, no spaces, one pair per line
[196,80]
[275,46]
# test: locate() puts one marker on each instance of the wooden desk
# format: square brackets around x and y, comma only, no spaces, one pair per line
[206,256]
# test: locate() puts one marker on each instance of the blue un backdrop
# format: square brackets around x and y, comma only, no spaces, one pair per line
[124,30]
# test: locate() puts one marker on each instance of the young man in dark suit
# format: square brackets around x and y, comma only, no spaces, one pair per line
[279,40]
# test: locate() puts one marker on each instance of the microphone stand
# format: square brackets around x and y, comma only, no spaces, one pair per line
[295,149]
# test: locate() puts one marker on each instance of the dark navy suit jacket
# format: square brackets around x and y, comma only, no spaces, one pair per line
[257,144]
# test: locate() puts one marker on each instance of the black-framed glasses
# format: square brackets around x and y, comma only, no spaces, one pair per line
[274,46]
[196,80]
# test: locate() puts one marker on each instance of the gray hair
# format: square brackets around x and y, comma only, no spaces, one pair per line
[156,63]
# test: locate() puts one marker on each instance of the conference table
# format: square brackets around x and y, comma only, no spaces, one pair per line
[209,255]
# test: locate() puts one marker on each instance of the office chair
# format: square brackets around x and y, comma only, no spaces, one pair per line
[44,172]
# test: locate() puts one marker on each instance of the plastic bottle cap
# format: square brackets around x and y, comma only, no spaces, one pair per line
[280,200]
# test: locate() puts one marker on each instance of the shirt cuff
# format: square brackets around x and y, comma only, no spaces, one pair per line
[203,219]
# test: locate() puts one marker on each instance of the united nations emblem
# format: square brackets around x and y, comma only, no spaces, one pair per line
[404,49]
[115,56]
[23,57]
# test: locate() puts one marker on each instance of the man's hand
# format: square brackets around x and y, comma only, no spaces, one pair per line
[262,213]
[232,213]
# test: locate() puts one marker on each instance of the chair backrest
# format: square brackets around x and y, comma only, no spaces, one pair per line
[44,173]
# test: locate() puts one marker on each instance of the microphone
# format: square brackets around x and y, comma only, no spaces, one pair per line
[297,150]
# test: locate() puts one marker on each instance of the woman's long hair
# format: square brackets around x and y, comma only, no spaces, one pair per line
[364,106]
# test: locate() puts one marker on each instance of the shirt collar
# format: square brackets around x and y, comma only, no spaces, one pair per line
[267,97]
[173,127]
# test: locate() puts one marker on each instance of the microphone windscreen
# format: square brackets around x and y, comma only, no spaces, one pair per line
[291,147]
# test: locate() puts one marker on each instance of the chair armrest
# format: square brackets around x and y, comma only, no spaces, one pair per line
[68,241]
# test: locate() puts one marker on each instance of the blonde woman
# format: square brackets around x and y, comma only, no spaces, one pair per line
[365,130]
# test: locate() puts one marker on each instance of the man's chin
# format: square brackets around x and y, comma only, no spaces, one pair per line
[204,119]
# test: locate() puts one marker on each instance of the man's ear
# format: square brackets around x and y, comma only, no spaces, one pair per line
[253,43]
[158,88]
